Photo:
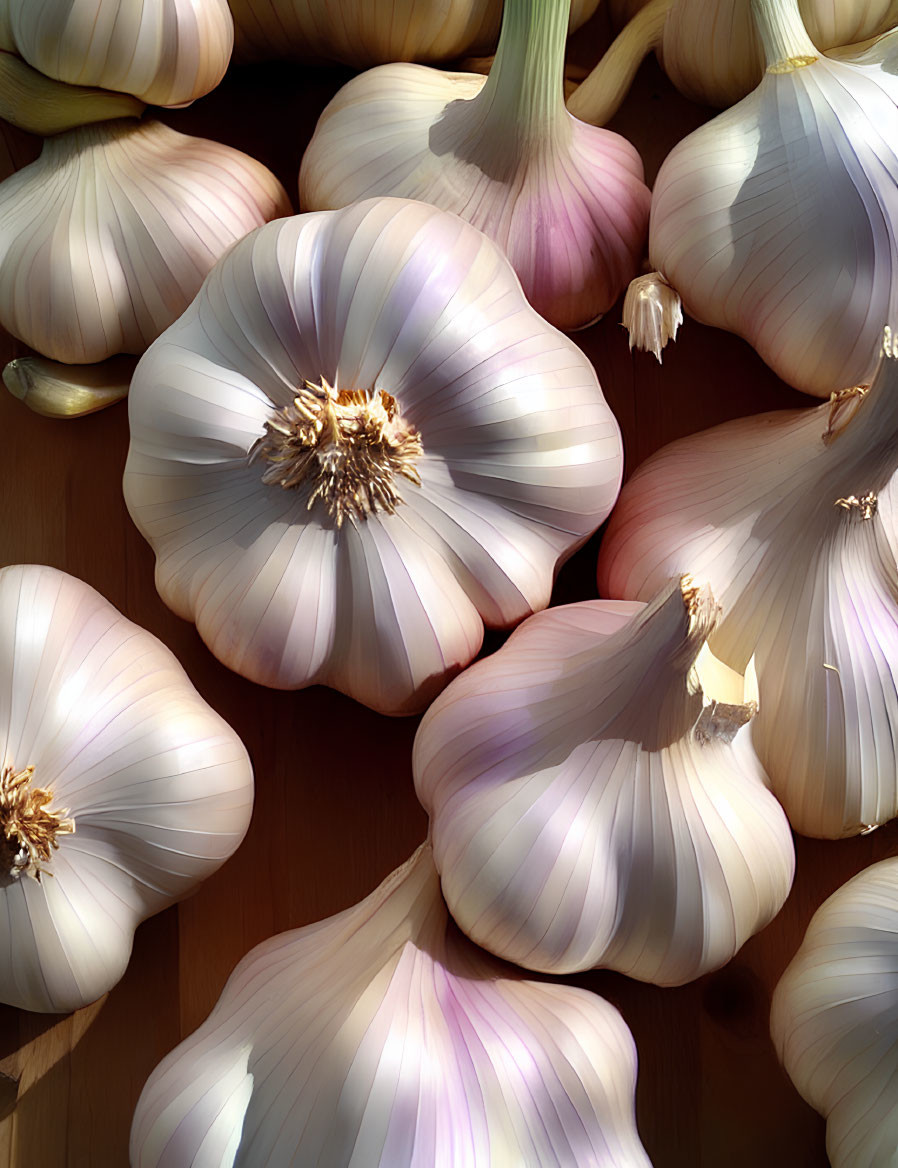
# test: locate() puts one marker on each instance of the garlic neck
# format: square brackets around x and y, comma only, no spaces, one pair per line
[29,830]
[863,452]
[784,37]
[349,447]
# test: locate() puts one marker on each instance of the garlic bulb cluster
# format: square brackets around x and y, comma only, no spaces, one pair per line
[373,32]
[564,200]
[360,444]
[106,238]
[120,789]
[593,800]
[381,1037]
[790,518]
[166,52]
[777,219]
[834,1018]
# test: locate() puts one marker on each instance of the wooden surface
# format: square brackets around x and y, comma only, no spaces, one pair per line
[335,808]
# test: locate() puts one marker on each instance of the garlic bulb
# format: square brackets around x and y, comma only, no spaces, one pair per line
[106,238]
[777,219]
[357,446]
[381,1037]
[120,789]
[166,52]
[32,102]
[564,200]
[373,32]
[592,798]
[834,1018]
[789,518]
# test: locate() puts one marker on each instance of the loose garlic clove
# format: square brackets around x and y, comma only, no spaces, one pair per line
[68,391]
[593,798]
[105,240]
[834,1018]
[791,518]
[564,200]
[381,1037]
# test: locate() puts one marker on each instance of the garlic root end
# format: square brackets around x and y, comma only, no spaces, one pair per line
[652,313]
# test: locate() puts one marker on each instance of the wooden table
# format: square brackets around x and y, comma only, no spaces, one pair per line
[335,808]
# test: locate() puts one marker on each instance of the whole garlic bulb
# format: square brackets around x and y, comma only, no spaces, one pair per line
[360,444]
[381,1037]
[777,219]
[166,52]
[106,238]
[563,199]
[790,518]
[834,1018]
[593,800]
[120,789]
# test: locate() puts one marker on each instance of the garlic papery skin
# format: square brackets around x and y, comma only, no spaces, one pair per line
[742,206]
[358,446]
[166,52]
[563,199]
[789,517]
[373,32]
[382,1037]
[593,799]
[834,1018]
[120,789]
[106,238]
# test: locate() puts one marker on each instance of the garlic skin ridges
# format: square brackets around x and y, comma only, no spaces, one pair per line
[382,1037]
[564,200]
[106,238]
[120,788]
[790,517]
[591,805]
[834,1018]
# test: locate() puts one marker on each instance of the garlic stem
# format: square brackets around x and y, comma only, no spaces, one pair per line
[40,105]
[599,97]
[784,37]
[869,438]
[55,390]
[29,829]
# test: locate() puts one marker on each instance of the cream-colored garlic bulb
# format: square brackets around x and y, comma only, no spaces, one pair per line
[120,789]
[166,52]
[563,199]
[383,1038]
[373,32]
[834,1018]
[777,219]
[106,238]
[791,519]
[358,446]
[593,799]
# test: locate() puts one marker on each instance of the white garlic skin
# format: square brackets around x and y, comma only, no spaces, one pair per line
[834,1018]
[106,238]
[381,1037]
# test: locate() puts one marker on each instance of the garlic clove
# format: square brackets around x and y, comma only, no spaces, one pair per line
[592,805]
[35,103]
[106,238]
[833,1018]
[68,391]
[652,313]
[382,1036]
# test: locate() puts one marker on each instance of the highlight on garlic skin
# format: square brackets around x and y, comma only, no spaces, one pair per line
[834,1017]
[563,199]
[593,798]
[165,52]
[106,238]
[120,789]
[382,1037]
[790,517]
[358,446]
[776,220]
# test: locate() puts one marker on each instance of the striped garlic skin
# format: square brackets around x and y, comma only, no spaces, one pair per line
[106,238]
[381,1037]
[521,455]
[159,786]
[834,1018]
[166,52]
[586,812]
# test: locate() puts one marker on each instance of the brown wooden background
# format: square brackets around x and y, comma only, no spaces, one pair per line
[335,808]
